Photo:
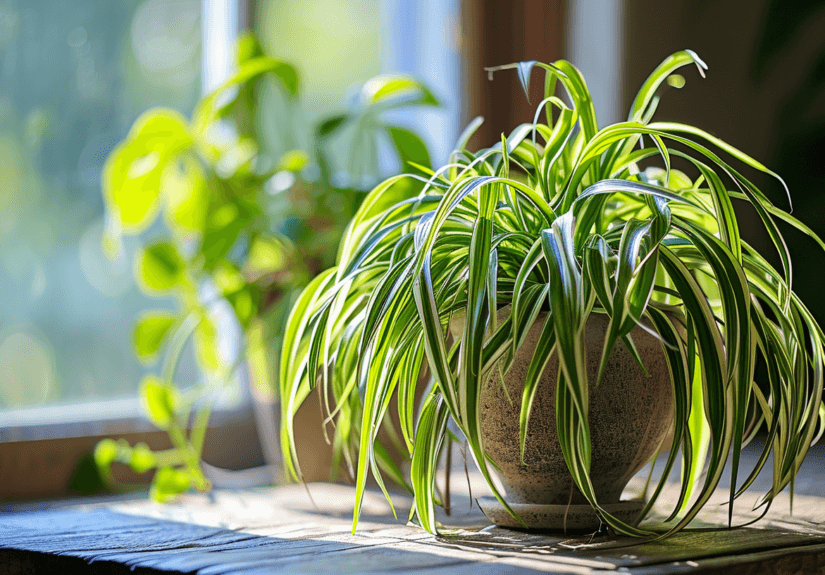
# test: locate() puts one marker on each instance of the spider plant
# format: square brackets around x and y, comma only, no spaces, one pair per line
[561,217]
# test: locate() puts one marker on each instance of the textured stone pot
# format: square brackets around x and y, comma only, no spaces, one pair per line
[629,414]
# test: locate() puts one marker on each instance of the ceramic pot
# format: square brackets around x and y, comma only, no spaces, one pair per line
[630,415]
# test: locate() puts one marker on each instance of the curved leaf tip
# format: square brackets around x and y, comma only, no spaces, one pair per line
[700,64]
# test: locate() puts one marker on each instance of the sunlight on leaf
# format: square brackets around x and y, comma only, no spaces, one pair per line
[159,401]
[150,332]
[160,268]
[169,483]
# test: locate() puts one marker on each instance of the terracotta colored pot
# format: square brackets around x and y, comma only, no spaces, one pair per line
[629,414]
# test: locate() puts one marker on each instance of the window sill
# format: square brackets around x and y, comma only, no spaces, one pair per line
[41,447]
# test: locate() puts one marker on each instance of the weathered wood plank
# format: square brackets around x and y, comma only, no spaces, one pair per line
[278,530]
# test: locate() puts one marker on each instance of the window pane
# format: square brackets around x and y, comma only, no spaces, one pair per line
[74,75]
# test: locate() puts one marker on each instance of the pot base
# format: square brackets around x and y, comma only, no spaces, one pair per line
[552,517]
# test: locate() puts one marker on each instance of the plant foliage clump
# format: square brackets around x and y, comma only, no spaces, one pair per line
[246,227]
[563,217]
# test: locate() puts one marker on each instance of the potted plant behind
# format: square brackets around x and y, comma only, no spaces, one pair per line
[560,294]
[247,224]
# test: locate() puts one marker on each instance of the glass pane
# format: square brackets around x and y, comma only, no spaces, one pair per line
[74,75]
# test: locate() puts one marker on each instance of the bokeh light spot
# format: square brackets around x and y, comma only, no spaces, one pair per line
[28,367]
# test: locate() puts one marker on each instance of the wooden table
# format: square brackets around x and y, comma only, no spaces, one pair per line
[278,530]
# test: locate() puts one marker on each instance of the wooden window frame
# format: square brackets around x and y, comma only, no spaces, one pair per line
[496,33]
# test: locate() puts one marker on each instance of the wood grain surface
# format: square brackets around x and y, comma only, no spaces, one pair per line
[280,530]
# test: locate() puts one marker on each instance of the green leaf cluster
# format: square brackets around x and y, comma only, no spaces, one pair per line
[241,223]
[634,221]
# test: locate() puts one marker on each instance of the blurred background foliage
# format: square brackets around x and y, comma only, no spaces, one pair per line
[249,224]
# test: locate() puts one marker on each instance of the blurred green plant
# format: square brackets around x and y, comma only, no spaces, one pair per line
[246,231]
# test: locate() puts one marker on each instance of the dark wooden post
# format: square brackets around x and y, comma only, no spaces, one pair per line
[496,32]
